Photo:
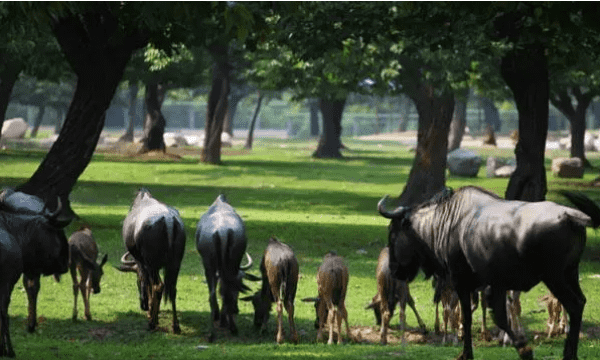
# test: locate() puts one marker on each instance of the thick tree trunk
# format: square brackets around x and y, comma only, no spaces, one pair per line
[490,113]
[459,121]
[313,105]
[330,142]
[38,121]
[428,173]
[576,116]
[234,99]
[217,106]
[131,113]
[8,77]
[250,138]
[154,121]
[99,62]
[526,73]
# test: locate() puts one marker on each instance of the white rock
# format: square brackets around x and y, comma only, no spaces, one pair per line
[14,128]
[464,162]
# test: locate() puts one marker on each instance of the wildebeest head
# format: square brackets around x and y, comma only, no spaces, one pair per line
[408,253]
[262,307]
[97,274]
[130,265]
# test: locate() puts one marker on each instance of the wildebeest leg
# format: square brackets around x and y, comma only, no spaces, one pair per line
[211,280]
[485,334]
[331,318]
[75,292]
[465,305]
[497,301]
[411,302]
[32,286]
[6,348]
[289,307]
[176,328]
[569,293]
[343,314]
[86,290]
[155,298]
[385,320]
[436,325]
[279,337]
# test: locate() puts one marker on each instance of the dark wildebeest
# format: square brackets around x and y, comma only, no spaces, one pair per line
[154,235]
[221,242]
[390,291]
[479,239]
[83,253]
[32,243]
[279,270]
[330,305]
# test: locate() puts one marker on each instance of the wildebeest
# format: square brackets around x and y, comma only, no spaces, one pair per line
[330,305]
[557,324]
[83,253]
[154,235]
[221,241]
[32,243]
[479,239]
[279,270]
[390,291]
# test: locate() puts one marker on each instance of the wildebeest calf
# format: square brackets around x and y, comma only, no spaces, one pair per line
[279,270]
[83,255]
[330,305]
[389,292]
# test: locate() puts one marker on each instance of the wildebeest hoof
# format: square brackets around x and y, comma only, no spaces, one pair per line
[526,353]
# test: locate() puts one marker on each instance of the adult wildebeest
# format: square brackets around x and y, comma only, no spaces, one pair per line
[330,305]
[221,242]
[83,253]
[154,235]
[390,291]
[279,270]
[32,243]
[479,239]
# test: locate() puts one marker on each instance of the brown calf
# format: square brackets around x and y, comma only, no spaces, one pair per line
[557,325]
[330,305]
[389,292]
[83,255]
[279,270]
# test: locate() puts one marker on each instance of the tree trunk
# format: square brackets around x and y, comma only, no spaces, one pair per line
[330,142]
[234,99]
[250,137]
[459,121]
[428,173]
[98,62]
[526,73]
[38,121]
[313,105]
[490,113]
[8,77]
[132,112]
[217,105]
[405,104]
[595,107]
[154,121]
[576,116]
[60,118]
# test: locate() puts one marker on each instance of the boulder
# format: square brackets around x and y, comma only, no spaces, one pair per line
[462,162]
[14,128]
[500,167]
[567,167]
[174,140]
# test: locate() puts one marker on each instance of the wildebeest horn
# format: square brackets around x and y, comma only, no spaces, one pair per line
[53,215]
[371,305]
[249,265]
[127,265]
[389,214]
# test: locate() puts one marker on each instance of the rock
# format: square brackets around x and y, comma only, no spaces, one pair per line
[462,162]
[14,128]
[504,171]
[175,140]
[565,143]
[499,167]
[226,140]
[567,167]
[589,142]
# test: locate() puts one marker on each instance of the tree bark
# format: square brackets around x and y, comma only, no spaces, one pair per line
[250,138]
[428,174]
[98,55]
[154,121]
[217,105]
[404,113]
[8,77]
[595,107]
[234,99]
[491,115]
[576,116]
[132,112]
[38,121]
[459,121]
[313,105]
[330,142]
[525,71]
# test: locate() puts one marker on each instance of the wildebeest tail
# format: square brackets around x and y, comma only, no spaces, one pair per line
[585,204]
[176,248]
[288,283]
[227,272]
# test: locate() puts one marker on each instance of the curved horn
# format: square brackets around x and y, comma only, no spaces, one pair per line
[125,261]
[249,265]
[389,214]
[127,265]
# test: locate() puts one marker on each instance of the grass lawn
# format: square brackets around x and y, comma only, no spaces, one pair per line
[278,189]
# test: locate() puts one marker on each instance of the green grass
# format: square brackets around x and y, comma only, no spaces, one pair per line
[278,189]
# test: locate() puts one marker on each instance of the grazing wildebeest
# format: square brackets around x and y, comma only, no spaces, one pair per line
[279,270]
[32,243]
[390,291]
[83,253]
[154,235]
[330,305]
[221,241]
[479,239]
